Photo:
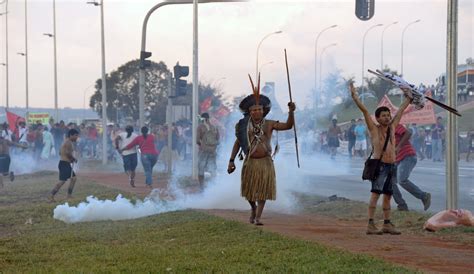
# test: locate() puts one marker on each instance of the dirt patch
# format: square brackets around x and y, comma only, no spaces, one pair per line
[420,252]
[423,252]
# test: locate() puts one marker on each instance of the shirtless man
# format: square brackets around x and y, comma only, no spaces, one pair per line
[65,164]
[5,158]
[254,133]
[386,178]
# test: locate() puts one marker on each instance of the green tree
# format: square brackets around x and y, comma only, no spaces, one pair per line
[122,93]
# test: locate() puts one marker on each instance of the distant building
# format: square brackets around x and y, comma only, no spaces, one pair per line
[465,73]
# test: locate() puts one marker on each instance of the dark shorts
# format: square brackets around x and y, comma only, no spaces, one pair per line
[384,182]
[65,171]
[4,164]
[130,162]
[333,142]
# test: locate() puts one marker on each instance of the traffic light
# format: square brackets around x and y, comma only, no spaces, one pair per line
[144,63]
[180,71]
[365,9]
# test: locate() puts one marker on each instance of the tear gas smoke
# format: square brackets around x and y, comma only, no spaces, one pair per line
[223,192]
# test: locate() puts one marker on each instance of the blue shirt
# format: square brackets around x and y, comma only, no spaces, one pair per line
[360,132]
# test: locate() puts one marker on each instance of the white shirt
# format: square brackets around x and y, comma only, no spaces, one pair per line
[124,141]
[23,134]
[7,135]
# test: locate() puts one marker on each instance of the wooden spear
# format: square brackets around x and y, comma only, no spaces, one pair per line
[291,101]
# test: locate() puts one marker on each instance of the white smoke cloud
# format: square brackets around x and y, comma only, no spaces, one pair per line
[223,192]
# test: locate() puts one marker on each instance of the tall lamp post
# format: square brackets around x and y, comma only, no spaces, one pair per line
[403,36]
[258,50]
[53,35]
[315,60]
[6,52]
[26,56]
[55,76]
[144,54]
[381,43]
[321,66]
[104,84]
[363,57]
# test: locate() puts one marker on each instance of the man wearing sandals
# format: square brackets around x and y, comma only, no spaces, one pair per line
[385,180]
[254,132]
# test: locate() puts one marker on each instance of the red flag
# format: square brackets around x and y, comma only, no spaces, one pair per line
[222,111]
[13,120]
[206,104]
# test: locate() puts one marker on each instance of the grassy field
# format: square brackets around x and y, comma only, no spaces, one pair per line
[186,241]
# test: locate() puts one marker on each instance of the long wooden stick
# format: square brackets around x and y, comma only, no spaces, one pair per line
[291,100]
[434,101]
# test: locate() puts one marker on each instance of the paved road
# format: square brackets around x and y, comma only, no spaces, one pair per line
[323,176]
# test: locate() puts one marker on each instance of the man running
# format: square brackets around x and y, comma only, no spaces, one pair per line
[5,158]
[406,161]
[66,163]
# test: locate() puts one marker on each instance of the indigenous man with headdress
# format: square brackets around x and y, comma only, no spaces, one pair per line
[254,133]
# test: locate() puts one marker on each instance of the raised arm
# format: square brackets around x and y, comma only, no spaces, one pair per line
[355,96]
[401,109]
[290,121]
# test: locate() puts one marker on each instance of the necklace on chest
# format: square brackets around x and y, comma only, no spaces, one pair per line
[257,129]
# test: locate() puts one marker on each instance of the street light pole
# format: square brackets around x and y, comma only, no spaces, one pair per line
[141,74]
[452,169]
[141,79]
[55,64]
[26,56]
[258,49]
[104,83]
[316,64]
[7,104]
[321,65]
[363,57]
[55,77]
[381,44]
[403,36]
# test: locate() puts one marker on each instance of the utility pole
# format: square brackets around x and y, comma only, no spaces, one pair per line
[452,169]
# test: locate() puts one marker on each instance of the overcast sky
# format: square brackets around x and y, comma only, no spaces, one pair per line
[228,37]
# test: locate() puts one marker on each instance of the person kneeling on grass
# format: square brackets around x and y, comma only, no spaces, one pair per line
[66,163]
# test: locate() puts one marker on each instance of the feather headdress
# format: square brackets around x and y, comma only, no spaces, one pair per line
[255,99]
[256,89]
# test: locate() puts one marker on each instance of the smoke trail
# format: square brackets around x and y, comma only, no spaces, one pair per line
[223,192]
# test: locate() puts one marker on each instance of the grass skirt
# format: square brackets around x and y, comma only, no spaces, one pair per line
[258,179]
